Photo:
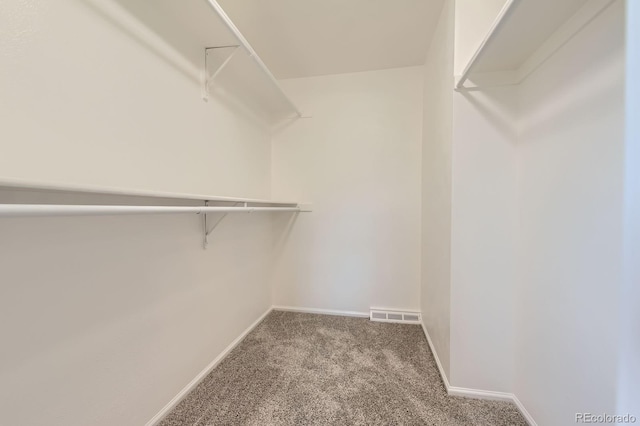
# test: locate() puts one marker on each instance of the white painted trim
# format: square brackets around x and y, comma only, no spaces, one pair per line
[213,364]
[528,417]
[321,311]
[495,396]
[480,394]
[445,380]
[451,390]
[404,311]
[476,393]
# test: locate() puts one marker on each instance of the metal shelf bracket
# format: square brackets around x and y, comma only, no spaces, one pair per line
[207,230]
[215,60]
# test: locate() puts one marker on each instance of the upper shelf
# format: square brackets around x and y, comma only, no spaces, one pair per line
[190,27]
[28,185]
[525,34]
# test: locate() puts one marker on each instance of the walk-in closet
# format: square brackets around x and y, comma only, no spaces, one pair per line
[306,212]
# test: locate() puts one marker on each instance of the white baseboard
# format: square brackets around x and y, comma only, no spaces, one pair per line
[480,394]
[445,380]
[193,383]
[476,393]
[321,311]
[495,396]
[528,417]
[451,390]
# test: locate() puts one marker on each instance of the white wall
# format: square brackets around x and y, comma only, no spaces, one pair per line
[105,319]
[358,160]
[468,307]
[629,366]
[483,239]
[571,165]
[469,219]
[106,109]
[437,139]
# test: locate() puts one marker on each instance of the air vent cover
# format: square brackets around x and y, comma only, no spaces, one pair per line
[387,315]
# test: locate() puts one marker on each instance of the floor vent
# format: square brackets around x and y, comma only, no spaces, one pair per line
[384,315]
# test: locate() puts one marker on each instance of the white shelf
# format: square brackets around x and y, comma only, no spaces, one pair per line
[46,210]
[189,27]
[524,35]
[102,190]
[40,209]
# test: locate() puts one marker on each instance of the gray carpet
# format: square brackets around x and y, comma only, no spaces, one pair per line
[303,369]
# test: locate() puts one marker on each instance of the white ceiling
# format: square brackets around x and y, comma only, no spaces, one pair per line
[302,38]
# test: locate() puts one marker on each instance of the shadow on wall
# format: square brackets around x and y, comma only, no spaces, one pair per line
[282,229]
[496,106]
[571,105]
[130,18]
[154,33]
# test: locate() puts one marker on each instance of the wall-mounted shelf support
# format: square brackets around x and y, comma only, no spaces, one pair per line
[215,59]
[252,53]
[207,230]
[46,210]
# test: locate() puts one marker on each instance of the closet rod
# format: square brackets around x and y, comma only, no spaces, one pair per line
[38,210]
[497,23]
[252,53]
